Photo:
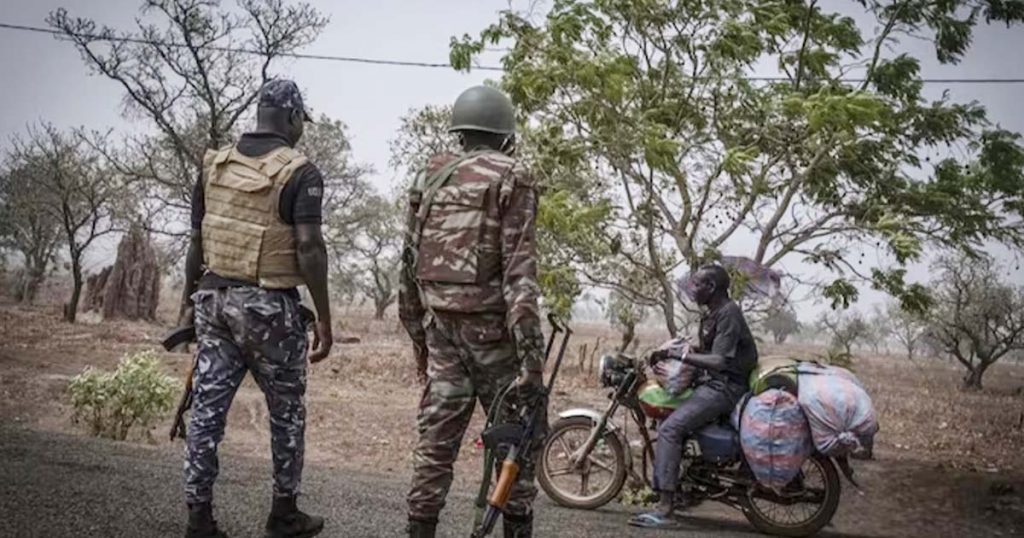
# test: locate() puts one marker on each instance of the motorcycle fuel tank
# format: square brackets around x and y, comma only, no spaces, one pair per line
[718,443]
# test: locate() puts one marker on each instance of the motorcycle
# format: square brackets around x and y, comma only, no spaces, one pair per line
[587,457]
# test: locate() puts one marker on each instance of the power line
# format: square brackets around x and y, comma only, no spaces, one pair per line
[255,52]
[410,63]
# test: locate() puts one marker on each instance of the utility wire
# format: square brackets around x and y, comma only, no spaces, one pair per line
[410,63]
[255,52]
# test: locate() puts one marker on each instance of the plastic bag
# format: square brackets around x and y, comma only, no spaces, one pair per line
[673,375]
[668,368]
[838,410]
[775,436]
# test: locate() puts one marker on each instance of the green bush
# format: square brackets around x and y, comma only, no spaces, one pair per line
[641,496]
[134,395]
[839,357]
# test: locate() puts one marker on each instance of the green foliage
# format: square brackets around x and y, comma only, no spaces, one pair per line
[565,226]
[645,106]
[838,357]
[134,395]
[841,292]
[639,496]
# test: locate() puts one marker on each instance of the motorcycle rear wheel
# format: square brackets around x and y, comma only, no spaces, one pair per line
[818,469]
[566,436]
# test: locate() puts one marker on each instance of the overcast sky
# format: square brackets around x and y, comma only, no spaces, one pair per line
[44,79]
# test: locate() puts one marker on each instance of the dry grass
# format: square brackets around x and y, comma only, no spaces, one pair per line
[922,412]
[943,454]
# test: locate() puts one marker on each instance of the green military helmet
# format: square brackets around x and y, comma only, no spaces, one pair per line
[482,108]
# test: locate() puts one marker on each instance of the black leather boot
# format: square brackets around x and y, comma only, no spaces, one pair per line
[517,526]
[286,521]
[419,528]
[201,523]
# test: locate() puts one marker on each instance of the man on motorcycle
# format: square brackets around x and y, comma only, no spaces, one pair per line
[727,353]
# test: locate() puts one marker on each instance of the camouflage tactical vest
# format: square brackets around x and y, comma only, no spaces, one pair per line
[458,245]
[243,234]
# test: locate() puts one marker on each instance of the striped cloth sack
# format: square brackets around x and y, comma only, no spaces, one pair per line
[838,409]
[775,437]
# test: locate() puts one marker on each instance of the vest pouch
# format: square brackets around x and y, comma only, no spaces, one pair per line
[279,264]
[244,190]
[231,247]
[450,244]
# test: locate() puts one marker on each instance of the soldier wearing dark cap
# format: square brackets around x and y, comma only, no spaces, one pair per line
[256,237]
[468,299]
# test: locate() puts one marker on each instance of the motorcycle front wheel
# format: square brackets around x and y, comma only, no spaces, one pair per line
[802,508]
[591,485]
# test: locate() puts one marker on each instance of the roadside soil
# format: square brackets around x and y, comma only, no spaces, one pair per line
[947,462]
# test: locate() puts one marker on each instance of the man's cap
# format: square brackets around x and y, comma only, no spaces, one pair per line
[282,93]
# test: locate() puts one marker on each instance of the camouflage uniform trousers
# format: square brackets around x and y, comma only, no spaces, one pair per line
[239,330]
[471,358]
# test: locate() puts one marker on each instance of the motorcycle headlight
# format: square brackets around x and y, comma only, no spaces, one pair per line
[608,372]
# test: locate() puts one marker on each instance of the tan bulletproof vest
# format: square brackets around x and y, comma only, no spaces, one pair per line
[244,236]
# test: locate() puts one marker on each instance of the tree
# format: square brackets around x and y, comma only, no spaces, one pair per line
[187,70]
[878,331]
[625,315]
[781,322]
[23,229]
[906,327]
[367,264]
[977,318]
[422,134]
[346,189]
[71,188]
[844,331]
[648,109]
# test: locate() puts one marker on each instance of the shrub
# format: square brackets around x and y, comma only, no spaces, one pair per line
[134,395]
[838,357]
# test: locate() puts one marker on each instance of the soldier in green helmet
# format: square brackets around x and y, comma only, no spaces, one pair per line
[468,298]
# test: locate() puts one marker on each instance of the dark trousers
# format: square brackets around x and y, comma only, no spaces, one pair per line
[709,401]
[247,329]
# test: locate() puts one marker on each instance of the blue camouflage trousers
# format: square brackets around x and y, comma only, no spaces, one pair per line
[239,330]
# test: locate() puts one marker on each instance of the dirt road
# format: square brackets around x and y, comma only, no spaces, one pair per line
[57,486]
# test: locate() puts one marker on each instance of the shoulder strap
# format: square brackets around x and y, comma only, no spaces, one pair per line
[432,184]
[276,161]
[213,159]
[237,157]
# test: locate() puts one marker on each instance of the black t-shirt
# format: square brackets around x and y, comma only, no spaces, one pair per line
[724,331]
[300,199]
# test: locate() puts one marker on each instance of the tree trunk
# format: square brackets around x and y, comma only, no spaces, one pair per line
[71,309]
[972,381]
[669,308]
[628,334]
[33,281]
[379,306]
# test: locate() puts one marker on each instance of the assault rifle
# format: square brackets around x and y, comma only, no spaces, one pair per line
[519,438]
[184,335]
